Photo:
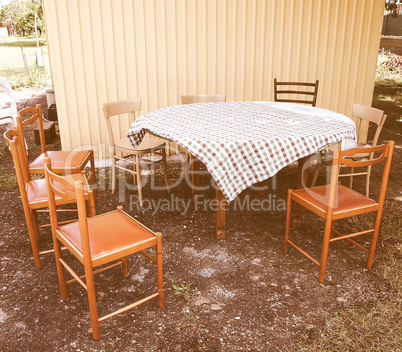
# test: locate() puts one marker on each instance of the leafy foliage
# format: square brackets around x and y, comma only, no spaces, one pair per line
[20,16]
[391,6]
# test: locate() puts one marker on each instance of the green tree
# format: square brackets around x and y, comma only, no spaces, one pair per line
[391,6]
[20,14]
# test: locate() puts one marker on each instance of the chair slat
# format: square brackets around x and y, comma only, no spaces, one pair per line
[293,89]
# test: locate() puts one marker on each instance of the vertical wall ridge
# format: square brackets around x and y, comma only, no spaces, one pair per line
[102,50]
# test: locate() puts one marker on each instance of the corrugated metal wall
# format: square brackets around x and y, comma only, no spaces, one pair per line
[105,50]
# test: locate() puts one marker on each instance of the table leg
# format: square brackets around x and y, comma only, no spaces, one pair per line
[220,214]
[195,177]
[302,175]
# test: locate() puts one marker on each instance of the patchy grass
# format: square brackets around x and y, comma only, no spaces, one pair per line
[388,89]
[389,99]
[8,182]
[376,327]
[190,327]
[12,63]
[184,289]
[389,68]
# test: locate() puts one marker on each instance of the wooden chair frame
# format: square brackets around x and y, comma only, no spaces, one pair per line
[294,88]
[70,161]
[361,113]
[335,201]
[33,205]
[84,254]
[149,146]
[203,98]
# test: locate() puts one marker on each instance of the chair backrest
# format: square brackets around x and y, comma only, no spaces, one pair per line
[345,157]
[12,110]
[36,115]
[130,106]
[68,192]
[367,113]
[13,139]
[203,98]
[307,92]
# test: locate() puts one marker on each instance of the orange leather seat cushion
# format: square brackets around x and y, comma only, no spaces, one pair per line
[346,201]
[62,162]
[37,192]
[108,232]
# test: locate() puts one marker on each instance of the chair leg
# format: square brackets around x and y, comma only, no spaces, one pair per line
[332,229]
[288,215]
[60,269]
[124,266]
[368,181]
[165,173]
[187,163]
[351,177]
[374,239]
[317,169]
[325,247]
[35,224]
[159,268]
[113,174]
[32,237]
[93,311]
[138,173]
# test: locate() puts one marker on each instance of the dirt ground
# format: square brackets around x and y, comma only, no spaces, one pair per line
[238,294]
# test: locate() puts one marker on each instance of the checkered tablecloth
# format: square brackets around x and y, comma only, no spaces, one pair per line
[242,143]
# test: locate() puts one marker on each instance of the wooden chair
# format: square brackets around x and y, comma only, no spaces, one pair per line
[33,192]
[335,201]
[99,240]
[200,98]
[9,114]
[302,91]
[364,115]
[149,145]
[64,162]
[203,98]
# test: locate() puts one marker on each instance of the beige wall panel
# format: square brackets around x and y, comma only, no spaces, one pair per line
[105,50]
[89,86]
[221,50]
[70,119]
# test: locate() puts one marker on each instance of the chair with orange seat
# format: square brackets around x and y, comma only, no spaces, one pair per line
[97,241]
[335,201]
[33,192]
[64,162]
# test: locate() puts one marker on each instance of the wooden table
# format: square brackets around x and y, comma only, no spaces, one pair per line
[243,143]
